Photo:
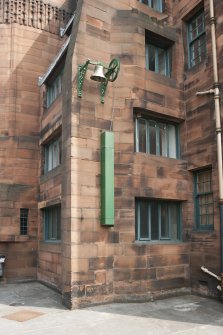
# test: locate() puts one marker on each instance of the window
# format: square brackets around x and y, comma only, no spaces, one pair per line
[204,205]
[52,223]
[196,39]
[156,137]
[157,59]
[52,154]
[24,221]
[155,4]
[53,90]
[157,220]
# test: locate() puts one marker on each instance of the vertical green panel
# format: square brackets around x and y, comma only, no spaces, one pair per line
[107,178]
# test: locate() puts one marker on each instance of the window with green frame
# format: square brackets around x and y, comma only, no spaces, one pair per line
[196,39]
[52,223]
[52,153]
[156,137]
[204,203]
[157,59]
[155,4]
[158,220]
[53,89]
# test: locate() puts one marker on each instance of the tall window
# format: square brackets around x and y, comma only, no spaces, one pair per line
[24,221]
[196,39]
[52,223]
[53,90]
[156,137]
[204,204]
[52,154]
[155,4]
[157,220]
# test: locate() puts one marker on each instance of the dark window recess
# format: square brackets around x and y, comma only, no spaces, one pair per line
[24,212]
[52,223]
[158,53]
[155,4]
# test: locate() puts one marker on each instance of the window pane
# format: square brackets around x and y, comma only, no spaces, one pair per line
[152,137]
[156,4]
[173,215]
[144,220]
[142,135]
[165,233]
[52,220]
[161,61]
[172,141]
[152,58]
[24,221]
[154,221]
[163,139]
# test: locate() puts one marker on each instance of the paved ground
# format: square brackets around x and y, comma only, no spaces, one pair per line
[33,309]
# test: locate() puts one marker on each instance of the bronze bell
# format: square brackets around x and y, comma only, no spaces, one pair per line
[98,74]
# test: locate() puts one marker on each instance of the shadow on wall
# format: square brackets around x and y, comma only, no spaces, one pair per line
[30,40]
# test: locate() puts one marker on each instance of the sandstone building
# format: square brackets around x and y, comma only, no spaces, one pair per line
[65,219]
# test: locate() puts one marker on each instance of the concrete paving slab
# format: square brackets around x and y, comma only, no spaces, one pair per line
[179,315]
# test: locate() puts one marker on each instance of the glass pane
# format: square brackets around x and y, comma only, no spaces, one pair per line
[141,135]
[143,224]
[172,141]
[58,223]
[193,29]
[200,23]
[154,221]
[173,212]
[50,158]
[152,137]
[152,58]
[165,233]
[161,61]
[156,4]
[203,220]
[163,139]
[204,183]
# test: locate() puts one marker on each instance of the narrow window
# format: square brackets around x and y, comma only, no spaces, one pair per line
[158,220]
[157,59]
[156,137]
[24,221]
[53,89]
[204,204]
[52,152]
[196,39]
[52,223]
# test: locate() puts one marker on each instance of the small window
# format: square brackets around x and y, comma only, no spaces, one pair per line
[196,39]
[157,221]
[53,90]
[156,137]
[158,53]
[204,204]
[52,223]
[52,152]
[24,221]
[155,4]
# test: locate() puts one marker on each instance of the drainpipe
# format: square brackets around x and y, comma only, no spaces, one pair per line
[218,129]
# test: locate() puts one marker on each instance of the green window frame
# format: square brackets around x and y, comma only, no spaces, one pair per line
[52,152]
[158,220]
[157,59]
[52,223]
[155,4]
[204,202]
[196,39]
[157,137]
[53,89]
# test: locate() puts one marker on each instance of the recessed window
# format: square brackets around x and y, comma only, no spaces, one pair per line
[196,39]
[52,152]
[158,53]
[158,220]
[155,4]
[52,223]
[53,89]
[24,221]
[204,204]
[156,137]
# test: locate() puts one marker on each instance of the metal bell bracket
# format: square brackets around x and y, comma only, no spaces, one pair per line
[111,75]
[82,69]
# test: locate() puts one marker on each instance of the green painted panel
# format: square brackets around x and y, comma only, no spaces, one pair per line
[107,178]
